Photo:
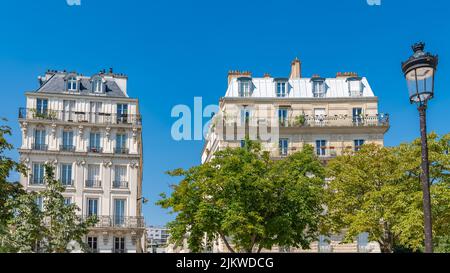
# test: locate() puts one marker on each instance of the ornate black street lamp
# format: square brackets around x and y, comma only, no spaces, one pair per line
[419,72]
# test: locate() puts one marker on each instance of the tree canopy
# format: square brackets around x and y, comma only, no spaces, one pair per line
[248,201]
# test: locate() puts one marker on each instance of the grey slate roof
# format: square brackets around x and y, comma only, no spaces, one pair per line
[57,84]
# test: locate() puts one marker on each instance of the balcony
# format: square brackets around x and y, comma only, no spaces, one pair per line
[120,184]
[94,149]
[121,150]
[379,120]
[67,183]
[67,148]
[93,184]
[40,147]
[35,181]
[79,117]
[113,221]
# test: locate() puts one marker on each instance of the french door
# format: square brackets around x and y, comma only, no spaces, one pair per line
[119,212]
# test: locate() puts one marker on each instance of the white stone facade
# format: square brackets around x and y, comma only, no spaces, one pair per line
[90,130]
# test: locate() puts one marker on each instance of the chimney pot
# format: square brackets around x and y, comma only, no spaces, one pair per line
[296,69]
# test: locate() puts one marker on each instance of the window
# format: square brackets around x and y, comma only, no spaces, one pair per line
[321,149]
[358,144]
[95,107]
[245,116]
[119,245]
[38,174]
[122,113]
[41,106]
[72,84]
[119,212]
[93,176]
[94,142]
[242,143]
[355,87]
[39,140]
[67,201]
[69,109]
[363,242]
[92,244]
[283,143]
[67,141]
[92,207]
[120,177]
[40,203]
[97,85]
[318,88]
[244,88]
[324,244]
[66,175]
[357,114]
[281,89]
[121,141]
[283,117]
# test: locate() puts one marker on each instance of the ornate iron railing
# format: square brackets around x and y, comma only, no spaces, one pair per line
[79,116]
[112,221]
[93,184]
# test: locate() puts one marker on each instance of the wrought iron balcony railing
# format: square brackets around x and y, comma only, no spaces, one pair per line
[35,180]
[120,184]
[79,116]
[40,147]
[93,184]
[67,183]
[93,149]
[121,150]
[113,221]
[67,148]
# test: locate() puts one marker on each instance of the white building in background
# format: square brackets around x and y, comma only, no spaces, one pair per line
[91,131]
[158,238]
[285,114]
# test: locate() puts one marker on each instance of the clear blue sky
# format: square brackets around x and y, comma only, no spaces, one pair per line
[175,50]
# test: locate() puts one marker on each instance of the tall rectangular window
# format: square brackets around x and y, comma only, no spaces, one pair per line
[358,144]
[119,244]
[121,143]
[39,140]
[69,109]
[92,244]
[93,176]
[120,177]
[67,201]
[119,212]
[67,141]
[283,117]
[355,87]
[66,175]
[92,207]
[38,174]
[41,106]
[122,113]
[245,116]
[321,149]
[94,142]
[244,88]
[95,108]
[357,116]
[40,203]
[281,89]
[318,89]
[283,145]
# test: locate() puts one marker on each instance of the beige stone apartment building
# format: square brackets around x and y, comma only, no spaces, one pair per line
[330,114]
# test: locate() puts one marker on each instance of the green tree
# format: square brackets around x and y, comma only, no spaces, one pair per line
[377,190]
[61,222]
[247,200]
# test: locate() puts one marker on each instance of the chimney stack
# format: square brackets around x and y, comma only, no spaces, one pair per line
[236,74]
[296,69]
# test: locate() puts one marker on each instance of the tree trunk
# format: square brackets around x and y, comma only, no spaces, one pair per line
[226,243]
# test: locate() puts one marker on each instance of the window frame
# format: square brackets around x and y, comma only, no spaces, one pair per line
[71,81]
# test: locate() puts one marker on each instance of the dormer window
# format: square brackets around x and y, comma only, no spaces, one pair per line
[281,88]
[97,85]
[355,87]
[72,84]
[244,87]
[318,87]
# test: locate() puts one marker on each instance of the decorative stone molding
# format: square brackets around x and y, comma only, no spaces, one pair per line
[134,165]
[53,130]
[25,160]
[108,132]
[107,164]
[53,162]
[105,236]
[81,162]
[135,132]
[81,130]
[24,127]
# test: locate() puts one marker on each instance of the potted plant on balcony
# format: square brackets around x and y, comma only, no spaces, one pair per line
[300,120]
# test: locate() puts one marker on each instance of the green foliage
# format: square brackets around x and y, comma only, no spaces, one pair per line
[248,201]
[378,190]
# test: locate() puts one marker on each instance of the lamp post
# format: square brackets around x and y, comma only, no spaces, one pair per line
[419,72]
